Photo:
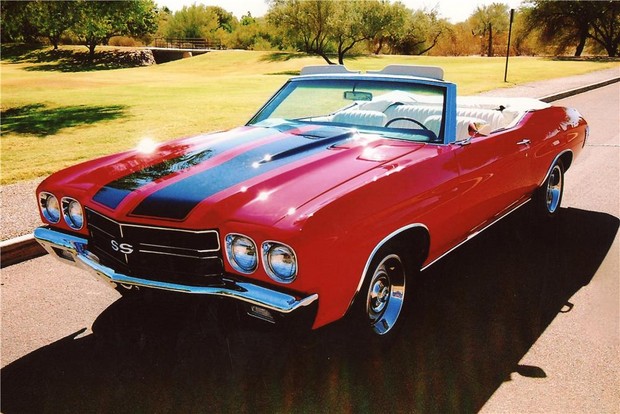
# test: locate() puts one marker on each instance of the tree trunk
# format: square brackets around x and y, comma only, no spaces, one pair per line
[583,36]
[580,46]
[612,51]
[490,50]
[54,41]
[432,45]
[610,45]
[344,50]
[324,56]
[379,46]
[91,52]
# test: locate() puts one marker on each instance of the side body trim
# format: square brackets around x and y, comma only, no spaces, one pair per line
[474,234]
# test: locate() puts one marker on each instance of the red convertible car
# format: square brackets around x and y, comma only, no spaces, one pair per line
[328,202]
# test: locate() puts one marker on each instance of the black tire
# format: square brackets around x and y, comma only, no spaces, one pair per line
[381,305]
[548,197]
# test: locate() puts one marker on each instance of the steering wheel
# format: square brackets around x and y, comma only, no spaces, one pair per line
[406,119]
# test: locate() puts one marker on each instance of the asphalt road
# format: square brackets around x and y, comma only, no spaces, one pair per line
[522,319]
[579,352]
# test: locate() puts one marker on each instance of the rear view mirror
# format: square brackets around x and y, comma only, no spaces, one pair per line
[357,96]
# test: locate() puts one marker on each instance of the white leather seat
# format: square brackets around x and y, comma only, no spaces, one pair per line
[361,118]
[495,119]
[417,112]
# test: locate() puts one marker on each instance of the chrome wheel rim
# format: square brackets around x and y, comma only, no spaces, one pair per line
[386,294]
[554,189]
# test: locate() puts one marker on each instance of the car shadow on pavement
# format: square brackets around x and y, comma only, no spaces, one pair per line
[476,313]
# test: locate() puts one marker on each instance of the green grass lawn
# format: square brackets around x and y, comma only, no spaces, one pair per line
[53,117]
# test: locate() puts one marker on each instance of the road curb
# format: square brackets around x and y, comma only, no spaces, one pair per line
[577,91]
[24,248]
[19,249]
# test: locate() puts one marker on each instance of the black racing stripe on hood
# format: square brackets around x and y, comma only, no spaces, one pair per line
[176,200]
[113,193]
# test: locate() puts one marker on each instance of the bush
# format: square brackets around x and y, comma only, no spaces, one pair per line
[262,44]
[124,41]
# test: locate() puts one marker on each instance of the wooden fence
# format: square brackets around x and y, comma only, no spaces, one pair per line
[186,43]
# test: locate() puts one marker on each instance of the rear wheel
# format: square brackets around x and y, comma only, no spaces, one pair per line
[549,196]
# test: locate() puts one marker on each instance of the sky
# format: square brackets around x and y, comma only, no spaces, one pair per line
[453,10]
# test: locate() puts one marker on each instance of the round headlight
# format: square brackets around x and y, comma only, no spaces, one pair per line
[280,262]
[49,207]
[72,213]
[242,254]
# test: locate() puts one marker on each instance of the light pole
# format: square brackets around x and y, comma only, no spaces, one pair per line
[512,14]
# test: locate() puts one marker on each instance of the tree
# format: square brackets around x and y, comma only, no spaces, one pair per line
[98,21]
[192,22]
[490,20]
[395,17]
[559,22]
[201,22]
[253,34]
[358,21]
[225,20]
[305,24]
[523,42]
[605,25]
[322,27]
[456,41]
[53,18]
[247,19]
[573,23]
[419,34]
[164,15]
[15,22]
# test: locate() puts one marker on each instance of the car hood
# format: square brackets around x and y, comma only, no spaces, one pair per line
[247,174]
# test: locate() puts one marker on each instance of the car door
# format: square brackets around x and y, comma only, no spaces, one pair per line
[494,177]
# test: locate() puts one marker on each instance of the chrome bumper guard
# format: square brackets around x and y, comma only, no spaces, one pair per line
[73,250]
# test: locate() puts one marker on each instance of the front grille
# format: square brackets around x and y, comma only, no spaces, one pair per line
[155,253]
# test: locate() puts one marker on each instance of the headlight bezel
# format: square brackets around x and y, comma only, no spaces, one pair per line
[45,197]
[269,250]
[233,258]
[67,214]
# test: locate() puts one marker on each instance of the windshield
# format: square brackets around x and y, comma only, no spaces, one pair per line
[401,110]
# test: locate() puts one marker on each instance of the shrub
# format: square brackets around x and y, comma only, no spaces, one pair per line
[124,41]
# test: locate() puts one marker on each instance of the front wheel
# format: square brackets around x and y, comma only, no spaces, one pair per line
[384,295]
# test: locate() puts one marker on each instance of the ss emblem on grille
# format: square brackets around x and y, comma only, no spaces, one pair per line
[124,248]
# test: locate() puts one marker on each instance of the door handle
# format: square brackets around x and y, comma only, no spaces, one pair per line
[524,142]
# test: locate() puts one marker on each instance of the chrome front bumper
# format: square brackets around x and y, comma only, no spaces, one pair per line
[73,250]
